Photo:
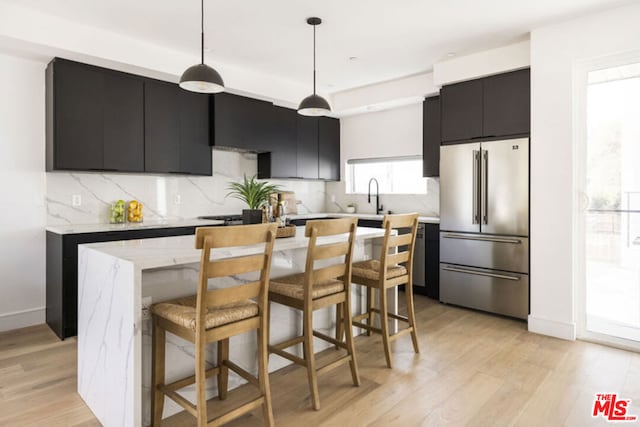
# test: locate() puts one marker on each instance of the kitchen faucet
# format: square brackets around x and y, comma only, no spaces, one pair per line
[378,208]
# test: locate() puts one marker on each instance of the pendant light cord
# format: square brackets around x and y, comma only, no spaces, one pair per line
[202,31]
[314,59]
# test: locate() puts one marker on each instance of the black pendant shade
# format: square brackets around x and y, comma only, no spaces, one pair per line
[201,78]
[314,105]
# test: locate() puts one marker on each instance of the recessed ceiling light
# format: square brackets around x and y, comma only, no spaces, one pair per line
[353,58]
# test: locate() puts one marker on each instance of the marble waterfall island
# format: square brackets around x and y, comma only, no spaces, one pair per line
[115,279]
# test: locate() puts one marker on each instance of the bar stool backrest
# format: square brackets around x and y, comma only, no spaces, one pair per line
[398,249]
[341,270]
[208,238]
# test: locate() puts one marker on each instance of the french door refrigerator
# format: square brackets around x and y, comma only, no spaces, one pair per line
[484,226]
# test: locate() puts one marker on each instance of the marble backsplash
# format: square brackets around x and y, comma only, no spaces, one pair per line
[160,193]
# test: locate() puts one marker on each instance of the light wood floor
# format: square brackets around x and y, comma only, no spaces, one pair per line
[474,369]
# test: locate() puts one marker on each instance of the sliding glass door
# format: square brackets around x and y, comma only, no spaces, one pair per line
[611,206]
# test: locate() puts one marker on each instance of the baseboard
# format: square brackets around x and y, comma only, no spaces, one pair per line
[553,328]
[22,318]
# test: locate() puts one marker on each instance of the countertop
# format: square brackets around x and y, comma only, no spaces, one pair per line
[170,251]
[148,224]
[423,219]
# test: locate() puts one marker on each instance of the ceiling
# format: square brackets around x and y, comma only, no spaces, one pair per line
[360,41]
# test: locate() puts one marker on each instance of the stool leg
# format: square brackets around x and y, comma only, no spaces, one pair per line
[223,375]
[339,324]
[310,357]
[348,327]
[370,304]
[412,318]
[201,378]
[384,325]
[158,361]
[263,376]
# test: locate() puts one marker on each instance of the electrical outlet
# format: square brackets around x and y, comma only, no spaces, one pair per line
[146,303]
[76,200]
[333,198]
[177,199]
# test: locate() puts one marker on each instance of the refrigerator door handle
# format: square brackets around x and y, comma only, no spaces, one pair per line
[474,193]
[484,186]
[481,273]
[482,238]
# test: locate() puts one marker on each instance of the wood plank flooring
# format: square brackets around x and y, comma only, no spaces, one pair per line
[475,369]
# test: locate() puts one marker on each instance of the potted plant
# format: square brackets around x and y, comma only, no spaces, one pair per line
[255,194]
[351,208]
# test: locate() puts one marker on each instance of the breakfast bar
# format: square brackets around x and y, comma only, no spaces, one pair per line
[117,281]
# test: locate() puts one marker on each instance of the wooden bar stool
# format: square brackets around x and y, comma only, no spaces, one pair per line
[214,316]
[386,273]
[318,288]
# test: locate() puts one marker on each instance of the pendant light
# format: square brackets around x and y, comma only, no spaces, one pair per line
[314,105]
[201,78]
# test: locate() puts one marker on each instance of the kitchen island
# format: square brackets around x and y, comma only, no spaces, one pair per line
[118,280]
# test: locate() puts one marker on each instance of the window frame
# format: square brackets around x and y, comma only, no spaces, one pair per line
[349,173]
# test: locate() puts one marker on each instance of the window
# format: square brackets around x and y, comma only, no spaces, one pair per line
[395,175]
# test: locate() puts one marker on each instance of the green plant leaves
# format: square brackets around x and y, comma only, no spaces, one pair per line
[251,191]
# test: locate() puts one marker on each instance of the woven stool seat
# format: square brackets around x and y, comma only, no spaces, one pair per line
[371,270]
[293,286]
[182,311]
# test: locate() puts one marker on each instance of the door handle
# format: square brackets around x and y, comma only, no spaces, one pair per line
[481,273]
[485,186]
[482,238]
[474,186]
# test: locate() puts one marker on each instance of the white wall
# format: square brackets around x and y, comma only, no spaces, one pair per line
[555,51]
[395,132]
[22,192]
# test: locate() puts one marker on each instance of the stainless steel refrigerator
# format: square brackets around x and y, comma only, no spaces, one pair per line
[484,226]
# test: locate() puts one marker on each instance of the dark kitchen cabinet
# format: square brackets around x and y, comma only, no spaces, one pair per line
[62,271]
[461,107]
[162,127]
[280,160]
[240,122]
[177,130]
[307,146]
[507,104]
[490,107]
[195,152]
[431,137]
[93,118]
[432,260]
[123,101]
[329,149]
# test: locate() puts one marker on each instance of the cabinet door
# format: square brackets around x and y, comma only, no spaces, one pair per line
[195,152]
[461,111]
[162,127]
[507,104]
[77,103]
[123,123]
[283,143]
[240,122]
[432,260]
[329,148]
[307,146]
[431,137]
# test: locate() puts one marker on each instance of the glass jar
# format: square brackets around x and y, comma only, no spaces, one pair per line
[117,213]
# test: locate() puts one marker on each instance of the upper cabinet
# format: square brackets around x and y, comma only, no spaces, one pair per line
[489,107]
[240,122]
[105,120]
[461,105]
[329,148]
[176,124]
[431,137]
[94,118]
[307,146]
[507,104]
[279,159]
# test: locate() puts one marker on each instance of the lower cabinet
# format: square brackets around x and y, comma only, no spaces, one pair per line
[62,271]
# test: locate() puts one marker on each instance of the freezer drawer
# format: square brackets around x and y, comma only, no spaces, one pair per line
[486,251]
[488,290]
